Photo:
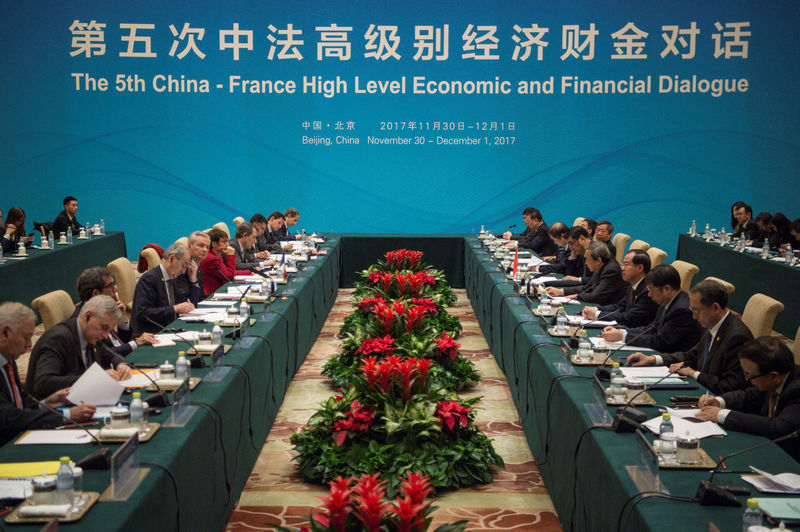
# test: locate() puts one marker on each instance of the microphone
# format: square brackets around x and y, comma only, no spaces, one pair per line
[603,373]
[157,399]
[627,418]
[196,362]
[223,274]
[711,494]
[100,459]
[573,342]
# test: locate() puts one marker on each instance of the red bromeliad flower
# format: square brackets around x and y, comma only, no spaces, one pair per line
[369,303]
[337,506]
[409,516]
[402,280]
[426,303]
[370,509]
[386,315]
[416,487]
[398,307]
[376,345]
[393,372]
[403,259]
[447,346]
[452,414]
[414,318]
[358,419]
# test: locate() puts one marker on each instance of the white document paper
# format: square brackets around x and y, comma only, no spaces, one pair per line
[103,411]
[248,278]
[214,303]
[95,387]
[701,430]
[781,483]
[60,437]
[602,344]
[564,301]
[138,379]
[645,371]
[542,280]
[580,320]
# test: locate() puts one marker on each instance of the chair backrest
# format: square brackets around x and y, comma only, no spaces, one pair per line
[223,227]
[657,256]
[687,270]
[238,221]
[53,307]
[759,314]
[578,221]
[152,258]
[125,277]
[796,347]
[620,240]
[728,286]
[184,240]
[640,244]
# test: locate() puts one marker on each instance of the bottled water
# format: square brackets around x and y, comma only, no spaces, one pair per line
[102,227]
[69,236]
[584,346]
[216,334]
[51,240]
[617,380]
[483,231]
[668,439]
[137,411]
[88,230]
[693,228]
[742,242]
[244,313]
[723,236]
[788,254]
[752,515]
[765,248]
[64,483]
[1,255]
[181,366]
[707,233]
[561,321]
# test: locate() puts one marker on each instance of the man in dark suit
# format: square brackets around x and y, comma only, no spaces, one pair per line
[535,236]
[559,234]
[673,328]
[66,221]
[603,232]
[67,349]
[243,248]
[189,284]
[155,301]
[99,280]
[635,308]
[744,221]
[272,237]
[714,360]
[606,285]
[290,218]
[18,410]
[770,407]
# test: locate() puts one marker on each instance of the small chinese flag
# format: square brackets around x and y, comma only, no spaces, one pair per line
[516,262]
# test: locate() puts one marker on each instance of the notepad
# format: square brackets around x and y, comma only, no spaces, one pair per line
[28,469]
[781,508]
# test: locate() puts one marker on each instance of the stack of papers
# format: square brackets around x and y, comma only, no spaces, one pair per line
[767,483]
[580,320]
[701,429]
[599,343]
[542,280]
[781,508]
[564,301]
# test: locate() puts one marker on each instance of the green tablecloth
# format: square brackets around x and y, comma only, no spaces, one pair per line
[444,252]
[211,461]
[56,269]
[527,355]
[750,274]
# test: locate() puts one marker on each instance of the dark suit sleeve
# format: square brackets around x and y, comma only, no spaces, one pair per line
[147,302]
[607,288]
[14,420]
[53,369]
[727,374]
[748,417]
[244,260]
[109,358]
[672,332]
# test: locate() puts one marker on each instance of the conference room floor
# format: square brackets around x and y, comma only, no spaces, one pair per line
[517,499]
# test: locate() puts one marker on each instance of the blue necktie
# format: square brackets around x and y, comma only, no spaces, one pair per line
[706,357]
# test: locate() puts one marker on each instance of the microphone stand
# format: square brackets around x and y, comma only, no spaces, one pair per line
[100,459]
[196,361]
[157,399]
[711,494]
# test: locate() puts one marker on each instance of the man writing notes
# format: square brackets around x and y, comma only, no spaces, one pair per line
[272,237]
[189,284]
[714,360]
[67,349]
[559,234]
[770,407]
[243,247]
[290,218]
[673,328]
[155,300]
[219,266]
[606,285]
[18,410]
[66,221]
[535,236]
[635,308]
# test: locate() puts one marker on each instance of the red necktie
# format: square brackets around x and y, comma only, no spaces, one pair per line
[12,382]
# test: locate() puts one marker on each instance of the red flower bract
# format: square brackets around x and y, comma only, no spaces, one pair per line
[452,414]
[369,493]
[404,377]
[425,303]
[447,347]
[376,345]
[337,506]
[370,302]
[358,419]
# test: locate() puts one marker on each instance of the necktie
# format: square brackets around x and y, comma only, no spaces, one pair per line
[89,355]
[12,382]
[773,401]
[706,357]
[170,292]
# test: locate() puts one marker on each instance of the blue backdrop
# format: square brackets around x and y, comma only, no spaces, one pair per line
[158,160]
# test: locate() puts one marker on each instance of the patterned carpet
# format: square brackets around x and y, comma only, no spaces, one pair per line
[517,499]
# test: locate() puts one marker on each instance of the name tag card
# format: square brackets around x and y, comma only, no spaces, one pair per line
[181,412]
[126,475]
[218,371]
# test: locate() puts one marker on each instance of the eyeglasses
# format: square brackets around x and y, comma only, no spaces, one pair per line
[754,377]
[112,284]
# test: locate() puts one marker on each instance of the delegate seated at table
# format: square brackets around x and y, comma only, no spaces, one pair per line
[635,308]
[535,236]
[68,348]
[558,233]
[19,411]
[714,360]
[243,248]
[606,285]
[156,303]
[188,286]
[673,328]
[770,407]
[219,266]
[603,232]
[575,270]
[13,231]
[745,225]
[66,221]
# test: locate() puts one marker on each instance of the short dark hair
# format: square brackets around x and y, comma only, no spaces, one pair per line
[768,353]
[640,258]
[68,200]
[92,279]
[795,226]
[532,212]
[592,226]
[764,218]
[258,218]
[599,251]
[291,212]
[711,292]
[609,224]
[215,235]
[664,275]
[277,214]
[781,223]
[576,232]
[244,229]
[558,230]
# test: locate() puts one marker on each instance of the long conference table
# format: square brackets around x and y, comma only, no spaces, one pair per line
[212,456]
[750,274]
